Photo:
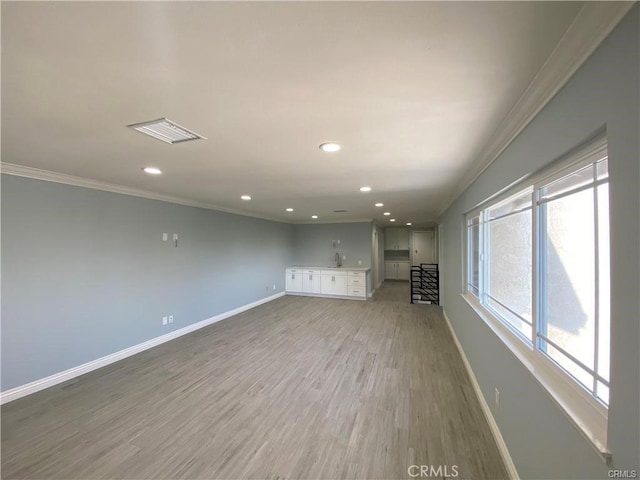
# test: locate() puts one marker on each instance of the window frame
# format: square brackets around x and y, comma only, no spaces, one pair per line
[582,407]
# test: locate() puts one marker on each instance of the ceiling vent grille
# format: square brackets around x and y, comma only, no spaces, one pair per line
[166,130]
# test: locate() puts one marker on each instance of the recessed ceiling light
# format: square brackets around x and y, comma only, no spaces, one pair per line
[392,219]
[166,130]
[379,204]
[152,170]
[330,147]
[365,189]
[289,209]
[314,216]
[408,224]
[246,197]
[387,213]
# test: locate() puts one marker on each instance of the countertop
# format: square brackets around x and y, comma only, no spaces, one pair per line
[330,267]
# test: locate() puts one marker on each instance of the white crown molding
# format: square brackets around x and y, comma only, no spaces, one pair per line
[49,176]
[326,222]
[592,25]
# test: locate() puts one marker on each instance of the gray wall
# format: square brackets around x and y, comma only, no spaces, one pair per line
[312,243]
[543,442]
[85,273]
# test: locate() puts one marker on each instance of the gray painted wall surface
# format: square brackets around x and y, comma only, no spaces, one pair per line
[85,273]
[312,243]
[542,441]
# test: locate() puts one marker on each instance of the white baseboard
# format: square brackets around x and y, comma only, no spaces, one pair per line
[37,385]
[502,446]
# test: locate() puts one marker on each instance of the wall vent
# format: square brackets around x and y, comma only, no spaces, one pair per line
[340,211]
[166,130]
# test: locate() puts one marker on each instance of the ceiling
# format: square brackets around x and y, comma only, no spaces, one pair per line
[414,92]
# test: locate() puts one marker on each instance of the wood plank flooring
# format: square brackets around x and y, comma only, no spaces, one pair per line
[297,388]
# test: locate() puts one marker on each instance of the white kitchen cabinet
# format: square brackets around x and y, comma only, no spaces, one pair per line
[403,271]
[389,270]
[396,270]
[403,238]
[396,239]
[334,283]
[320,281]
[312,281]
[293,280]
[357,284]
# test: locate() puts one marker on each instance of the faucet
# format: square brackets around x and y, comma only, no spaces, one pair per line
[338,260]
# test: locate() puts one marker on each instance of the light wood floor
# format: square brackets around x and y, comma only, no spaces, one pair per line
[297,388]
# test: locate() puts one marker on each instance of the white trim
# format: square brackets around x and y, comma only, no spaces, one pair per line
[495,430]
[322,222]
[48,176]
[585,154]
[592,25]
[37,385]
[580,407]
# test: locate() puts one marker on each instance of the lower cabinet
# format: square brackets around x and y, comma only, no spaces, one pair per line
[334,283]
[312,281]
[357,284]
[293,280]
[396,270]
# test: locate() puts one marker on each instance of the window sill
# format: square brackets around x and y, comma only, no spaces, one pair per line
[584,411]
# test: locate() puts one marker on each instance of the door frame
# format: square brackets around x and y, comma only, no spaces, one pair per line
[436,243]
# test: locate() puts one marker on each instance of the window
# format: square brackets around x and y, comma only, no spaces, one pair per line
[538,264]
[573,326]
[508,277]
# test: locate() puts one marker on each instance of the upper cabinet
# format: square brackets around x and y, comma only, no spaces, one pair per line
[396,239]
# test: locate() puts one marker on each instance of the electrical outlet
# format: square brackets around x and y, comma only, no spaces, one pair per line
[165,237]
[496,397]
[274,286]
[359,262]
[344,257]
[170,318]
[164,320]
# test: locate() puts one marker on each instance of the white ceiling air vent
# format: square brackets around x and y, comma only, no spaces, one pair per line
[166,130]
